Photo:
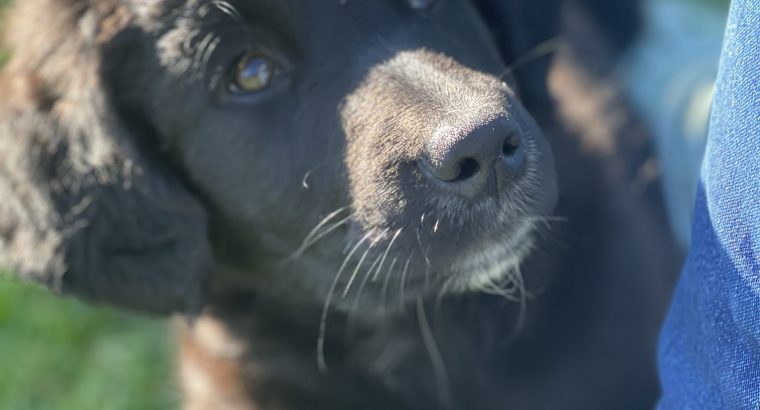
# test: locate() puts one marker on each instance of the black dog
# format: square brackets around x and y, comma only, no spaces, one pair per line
[350,194]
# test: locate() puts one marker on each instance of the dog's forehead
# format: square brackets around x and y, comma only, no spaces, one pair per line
[297,11]
[314,24]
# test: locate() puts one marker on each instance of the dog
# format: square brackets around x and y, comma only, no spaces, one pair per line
[352,201]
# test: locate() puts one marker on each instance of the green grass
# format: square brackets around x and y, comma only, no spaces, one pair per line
[61,354]
[3,54]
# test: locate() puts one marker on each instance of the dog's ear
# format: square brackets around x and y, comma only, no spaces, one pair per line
[84,209]
[620,21]
[525,31]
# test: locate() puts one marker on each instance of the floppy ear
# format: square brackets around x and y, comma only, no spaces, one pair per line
[83,208]
[619,21]
[522,29]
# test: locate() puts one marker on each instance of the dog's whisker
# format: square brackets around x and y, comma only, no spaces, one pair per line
[443,383]
[422,250]
[550,223]
[322,223]
[447,284]
[385,254]
[374,265]
[523,300]
[512,288]
[402,284]
[369,271]
[357,298]
[548,220]
[508,291]
[427,271]
[321,362]
[510,285]
[327,231]
[361,262]
[305,180]
[315,235]
[363,284]
[228,8]
[386,282]
[547,47]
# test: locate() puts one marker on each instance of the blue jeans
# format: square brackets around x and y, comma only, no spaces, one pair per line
[710,346]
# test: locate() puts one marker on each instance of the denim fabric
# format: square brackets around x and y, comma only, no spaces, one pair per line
[710,345]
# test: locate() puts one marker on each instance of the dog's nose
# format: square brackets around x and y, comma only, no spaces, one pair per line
[465,161]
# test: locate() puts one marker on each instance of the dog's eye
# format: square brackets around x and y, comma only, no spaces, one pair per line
[421,4]
[253,73]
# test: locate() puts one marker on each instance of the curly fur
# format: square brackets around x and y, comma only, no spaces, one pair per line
[322,268]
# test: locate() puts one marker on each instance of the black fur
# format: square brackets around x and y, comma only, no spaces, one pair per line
[132,175]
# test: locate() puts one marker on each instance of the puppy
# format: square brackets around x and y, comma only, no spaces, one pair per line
[349,198]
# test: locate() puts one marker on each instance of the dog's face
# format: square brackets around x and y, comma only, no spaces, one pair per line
[356,148]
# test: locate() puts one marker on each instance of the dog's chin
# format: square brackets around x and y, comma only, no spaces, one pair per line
[492,266]
[495,266]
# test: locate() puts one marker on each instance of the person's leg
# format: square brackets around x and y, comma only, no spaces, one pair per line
[710,346]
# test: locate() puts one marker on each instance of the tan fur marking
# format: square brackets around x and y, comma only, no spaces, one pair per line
[211,370]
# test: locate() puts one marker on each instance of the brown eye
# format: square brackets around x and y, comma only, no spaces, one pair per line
[253,73]
[421,4]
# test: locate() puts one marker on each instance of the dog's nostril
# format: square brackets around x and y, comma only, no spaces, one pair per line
[468,161]
[468,168]
[511,145]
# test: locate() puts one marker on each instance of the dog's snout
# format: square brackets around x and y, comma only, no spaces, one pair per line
[465,161]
